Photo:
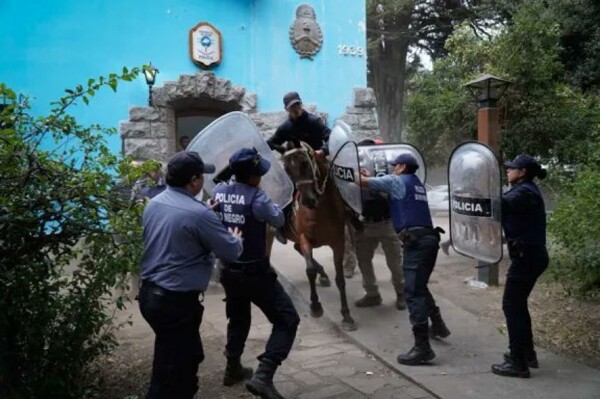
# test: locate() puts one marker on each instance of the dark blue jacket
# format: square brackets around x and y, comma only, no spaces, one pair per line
[308,128]
[524,215]
[248,208]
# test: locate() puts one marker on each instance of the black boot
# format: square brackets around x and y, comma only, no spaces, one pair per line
[513,366]
[235,372]
[261,383]
[420,353]
[438,327]
[531,359]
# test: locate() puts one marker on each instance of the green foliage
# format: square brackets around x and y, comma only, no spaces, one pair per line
[576,232]
[540,113]
[61,217]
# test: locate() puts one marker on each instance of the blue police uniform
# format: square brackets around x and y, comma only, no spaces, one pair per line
[251,279]
[524,224]
[412,220]
[181,237]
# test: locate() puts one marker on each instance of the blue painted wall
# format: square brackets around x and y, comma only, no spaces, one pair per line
[49,45]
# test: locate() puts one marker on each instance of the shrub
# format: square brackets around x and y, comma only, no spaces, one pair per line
[60,213]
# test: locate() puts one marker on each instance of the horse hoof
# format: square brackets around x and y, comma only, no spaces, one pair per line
[349,325]
[316,310]
[324,281]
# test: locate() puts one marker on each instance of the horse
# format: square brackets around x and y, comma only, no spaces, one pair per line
[318,218]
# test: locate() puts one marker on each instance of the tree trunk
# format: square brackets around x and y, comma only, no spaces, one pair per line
[388,75]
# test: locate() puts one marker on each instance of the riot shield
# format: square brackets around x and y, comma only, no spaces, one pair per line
[344,166]
[231,132]
[345,170]
[375,158]
[340,135]
[475,193]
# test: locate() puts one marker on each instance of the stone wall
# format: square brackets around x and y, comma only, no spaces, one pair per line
[361,116]
[150,132]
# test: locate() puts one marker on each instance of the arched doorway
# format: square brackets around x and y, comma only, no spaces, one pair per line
[180,108]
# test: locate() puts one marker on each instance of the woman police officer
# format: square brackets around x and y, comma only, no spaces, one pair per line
[524,223]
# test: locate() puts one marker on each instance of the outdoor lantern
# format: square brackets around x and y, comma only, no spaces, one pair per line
[150,73]
[487,90]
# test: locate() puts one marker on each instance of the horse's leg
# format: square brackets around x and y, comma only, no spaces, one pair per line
[348,323]
[305,248]
[323,276]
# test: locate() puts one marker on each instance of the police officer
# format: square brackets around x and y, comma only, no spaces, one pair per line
[412,220]
[250,279]
[524,223]
[301,125]
[181,237]
[378,229]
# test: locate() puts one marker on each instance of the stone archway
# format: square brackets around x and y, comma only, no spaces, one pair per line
[150,131]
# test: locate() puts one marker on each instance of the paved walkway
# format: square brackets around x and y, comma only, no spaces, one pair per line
[462,367]
[323,363]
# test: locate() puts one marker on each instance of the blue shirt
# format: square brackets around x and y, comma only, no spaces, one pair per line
[392,185]
[181,238]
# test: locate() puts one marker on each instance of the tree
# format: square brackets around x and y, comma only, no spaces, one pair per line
[60,213]
[399,28]
[541,113]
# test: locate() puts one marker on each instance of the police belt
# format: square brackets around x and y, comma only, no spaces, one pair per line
[412,233]
[252,266]
[160,291]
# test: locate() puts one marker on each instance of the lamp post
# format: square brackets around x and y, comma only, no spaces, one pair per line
[150,73]
[487,90]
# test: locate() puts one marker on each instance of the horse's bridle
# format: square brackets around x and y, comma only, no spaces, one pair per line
[319,189]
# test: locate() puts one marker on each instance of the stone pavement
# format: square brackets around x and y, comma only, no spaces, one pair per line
[462,367]
[323,363]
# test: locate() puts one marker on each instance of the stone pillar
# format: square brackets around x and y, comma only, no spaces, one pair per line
[361,116]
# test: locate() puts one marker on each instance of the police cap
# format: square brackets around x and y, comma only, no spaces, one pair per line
[249,162]
[405,159]
[184,165]
[290,99]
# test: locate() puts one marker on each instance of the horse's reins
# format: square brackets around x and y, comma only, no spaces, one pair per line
[315,172]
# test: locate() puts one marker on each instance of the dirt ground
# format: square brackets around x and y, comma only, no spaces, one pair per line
[125,374]
[563,324]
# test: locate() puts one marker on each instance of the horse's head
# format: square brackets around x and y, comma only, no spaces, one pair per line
[300,164]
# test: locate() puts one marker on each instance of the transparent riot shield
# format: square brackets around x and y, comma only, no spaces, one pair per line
[375,158]
[475,193]
[231,132]
[345,170]
[340,135]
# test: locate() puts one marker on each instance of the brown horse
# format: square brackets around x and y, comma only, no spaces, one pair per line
[318,219]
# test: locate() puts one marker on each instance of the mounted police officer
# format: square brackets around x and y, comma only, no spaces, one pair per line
[412,220]
[302,126]
[181,238]
[250,279]
[524,223]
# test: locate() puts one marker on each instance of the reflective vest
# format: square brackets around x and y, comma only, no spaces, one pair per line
[235,210]
[413,209]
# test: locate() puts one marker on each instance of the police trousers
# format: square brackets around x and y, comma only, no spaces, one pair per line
[522,275]
[367,241]
[175,319]
[261,288]
[420,255]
